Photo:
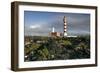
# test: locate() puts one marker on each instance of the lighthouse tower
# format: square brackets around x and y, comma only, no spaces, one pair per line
[53,29]
[65,26]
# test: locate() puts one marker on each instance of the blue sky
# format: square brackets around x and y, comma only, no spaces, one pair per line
[41,23]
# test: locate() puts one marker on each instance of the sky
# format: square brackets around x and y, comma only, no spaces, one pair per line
[41,23]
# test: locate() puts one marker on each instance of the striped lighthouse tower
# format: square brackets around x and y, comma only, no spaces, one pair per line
[65,26]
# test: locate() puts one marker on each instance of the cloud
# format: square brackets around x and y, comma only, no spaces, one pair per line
[35,26]
[37,30]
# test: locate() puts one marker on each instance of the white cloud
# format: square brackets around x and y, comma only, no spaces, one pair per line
[35,26]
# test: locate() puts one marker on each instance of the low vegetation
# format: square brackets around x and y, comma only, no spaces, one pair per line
[60,48]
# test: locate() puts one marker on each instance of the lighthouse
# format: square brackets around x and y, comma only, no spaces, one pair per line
[55,34]
[65,26]
[53,29]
